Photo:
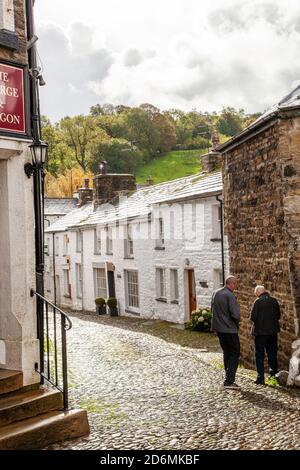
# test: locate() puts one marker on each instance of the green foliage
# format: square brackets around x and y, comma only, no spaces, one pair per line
[230,121]
[200,320]
[175,164]
[112,302]
[100,301]
[121,156]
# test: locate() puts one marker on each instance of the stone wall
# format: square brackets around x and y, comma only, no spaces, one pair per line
[262,209]
[108,186]
[20,55]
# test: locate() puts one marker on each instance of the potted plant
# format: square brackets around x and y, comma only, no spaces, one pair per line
[200,320]
[113,308]
[100,306]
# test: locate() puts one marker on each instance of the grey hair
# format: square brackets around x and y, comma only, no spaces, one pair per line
[230,280]
[259,290]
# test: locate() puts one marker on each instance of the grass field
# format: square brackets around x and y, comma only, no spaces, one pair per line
[170,166]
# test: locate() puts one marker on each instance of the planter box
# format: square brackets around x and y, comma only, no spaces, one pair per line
[114,312]
[101,309]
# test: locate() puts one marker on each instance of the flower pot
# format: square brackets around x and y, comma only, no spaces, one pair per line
[113,311]
[101,309]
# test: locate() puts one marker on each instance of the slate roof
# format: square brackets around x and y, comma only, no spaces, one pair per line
[290,101]
[141,201]
[59,205]
[73,217]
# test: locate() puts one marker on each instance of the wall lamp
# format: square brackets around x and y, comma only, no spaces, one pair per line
[39,154]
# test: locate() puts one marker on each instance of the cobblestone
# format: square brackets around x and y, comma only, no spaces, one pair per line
[145,390]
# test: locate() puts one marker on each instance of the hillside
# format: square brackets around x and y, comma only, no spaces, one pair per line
[170,166]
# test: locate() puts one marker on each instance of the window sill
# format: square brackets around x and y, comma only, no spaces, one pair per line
[161,300]
[174,302]
[215,239]
[133,312]
[160,248]
[97,253]
[67,296]
[109,254]
[128,257]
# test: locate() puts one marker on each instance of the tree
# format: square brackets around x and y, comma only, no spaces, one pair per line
[121,156]
[65,184]
[230,121]
[80,132]
[167,132]
[60,155]
[142,132]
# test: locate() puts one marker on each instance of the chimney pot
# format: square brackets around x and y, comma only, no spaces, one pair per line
[86,183]
[150,181]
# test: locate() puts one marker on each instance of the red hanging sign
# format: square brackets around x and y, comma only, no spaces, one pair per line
[12,109]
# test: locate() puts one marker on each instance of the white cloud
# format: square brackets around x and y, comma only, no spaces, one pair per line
[178,53]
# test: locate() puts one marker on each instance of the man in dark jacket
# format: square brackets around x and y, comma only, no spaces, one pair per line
[265,314]
[225,322]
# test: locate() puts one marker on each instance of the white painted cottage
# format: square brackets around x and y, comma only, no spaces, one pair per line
[158,249]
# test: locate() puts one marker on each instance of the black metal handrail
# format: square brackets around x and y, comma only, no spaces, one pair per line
[49,368]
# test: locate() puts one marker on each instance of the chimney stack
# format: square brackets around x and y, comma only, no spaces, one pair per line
[211,161]
[85,194]
[150,181]
[108,186]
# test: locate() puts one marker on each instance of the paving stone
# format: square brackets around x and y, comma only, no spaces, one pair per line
[145,392]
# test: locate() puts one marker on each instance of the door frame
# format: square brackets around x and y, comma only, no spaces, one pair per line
[188,308]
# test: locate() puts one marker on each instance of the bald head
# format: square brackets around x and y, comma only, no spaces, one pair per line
[259,290]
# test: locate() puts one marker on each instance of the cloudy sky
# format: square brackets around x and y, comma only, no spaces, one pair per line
[172,53]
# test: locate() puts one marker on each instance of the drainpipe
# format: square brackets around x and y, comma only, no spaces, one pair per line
[82,269]
[222,239]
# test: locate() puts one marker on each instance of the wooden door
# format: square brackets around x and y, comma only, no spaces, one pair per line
[192,290]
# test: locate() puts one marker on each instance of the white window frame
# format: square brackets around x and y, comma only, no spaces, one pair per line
[65,244]
[67,290]
[216,221]
[160,233]
[79,241]
[217,278]
[100,278]
[97,242]
[7,15]
[79,283]
[132,295]
[161,283]
[109,241]
[129,242]
[174,285]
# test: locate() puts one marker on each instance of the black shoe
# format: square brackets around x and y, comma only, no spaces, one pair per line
[233,386]
[259,382]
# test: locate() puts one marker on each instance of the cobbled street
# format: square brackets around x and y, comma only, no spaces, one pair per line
[144,388]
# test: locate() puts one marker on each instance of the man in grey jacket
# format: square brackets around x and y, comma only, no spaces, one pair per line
[225,322]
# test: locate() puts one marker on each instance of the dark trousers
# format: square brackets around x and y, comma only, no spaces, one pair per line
[230,344]
[266,343]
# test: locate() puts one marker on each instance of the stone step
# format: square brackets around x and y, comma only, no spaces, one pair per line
[43,430]
[10,380]
[21,405]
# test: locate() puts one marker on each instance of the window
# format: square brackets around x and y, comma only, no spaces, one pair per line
[100,283]
[132,289]
[109,242]
[56,246]
[79,280]
[174,285]
[216,221]
[78,242]
[97,242]
[161,290]
[67,286]
[218,279]
[129,243]
[161,233]
[66,244]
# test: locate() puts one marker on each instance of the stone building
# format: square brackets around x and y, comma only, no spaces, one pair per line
[261,177]
[156,249]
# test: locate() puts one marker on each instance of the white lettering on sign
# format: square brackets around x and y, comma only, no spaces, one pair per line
[9,91]
[9,118]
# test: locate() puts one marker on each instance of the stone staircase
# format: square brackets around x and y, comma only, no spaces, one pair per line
[32,417]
